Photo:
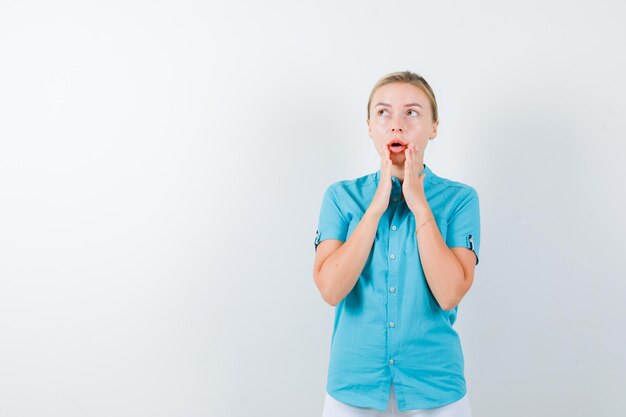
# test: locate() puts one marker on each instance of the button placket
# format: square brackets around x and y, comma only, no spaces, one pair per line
[393,262]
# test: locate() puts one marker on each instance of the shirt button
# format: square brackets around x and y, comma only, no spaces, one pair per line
[393,227]
[395,199]
[392,324]
[392,289]
[390,361]
[392,256]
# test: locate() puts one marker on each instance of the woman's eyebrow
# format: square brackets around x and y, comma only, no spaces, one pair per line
[406,105]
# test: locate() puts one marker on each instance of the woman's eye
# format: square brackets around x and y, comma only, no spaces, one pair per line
[380,112]
[415,113]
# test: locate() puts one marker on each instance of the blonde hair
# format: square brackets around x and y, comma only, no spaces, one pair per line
[409,78]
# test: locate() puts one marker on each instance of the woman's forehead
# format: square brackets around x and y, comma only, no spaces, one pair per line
[399,94]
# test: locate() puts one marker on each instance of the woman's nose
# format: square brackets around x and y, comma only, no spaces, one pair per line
[396,125]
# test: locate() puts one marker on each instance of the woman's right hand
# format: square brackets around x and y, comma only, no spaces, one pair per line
[380,202]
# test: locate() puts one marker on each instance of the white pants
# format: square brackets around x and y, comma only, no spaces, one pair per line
[334,408]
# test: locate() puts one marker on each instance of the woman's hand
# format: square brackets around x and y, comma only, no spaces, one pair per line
[413,186]
[380,202]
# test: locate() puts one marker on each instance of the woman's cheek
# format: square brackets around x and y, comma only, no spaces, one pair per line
[382,122]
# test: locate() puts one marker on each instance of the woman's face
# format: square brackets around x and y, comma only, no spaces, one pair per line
[400,112]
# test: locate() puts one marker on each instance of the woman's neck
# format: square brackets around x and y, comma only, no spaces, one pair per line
[398,172]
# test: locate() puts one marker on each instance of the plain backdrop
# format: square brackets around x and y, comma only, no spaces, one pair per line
[162,166]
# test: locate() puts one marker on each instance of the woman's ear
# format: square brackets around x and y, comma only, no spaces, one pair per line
[369,130]
[433,132]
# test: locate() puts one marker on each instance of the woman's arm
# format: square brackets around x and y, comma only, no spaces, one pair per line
[448,275]
[337,268]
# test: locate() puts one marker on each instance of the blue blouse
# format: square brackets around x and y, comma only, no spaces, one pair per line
[390,328]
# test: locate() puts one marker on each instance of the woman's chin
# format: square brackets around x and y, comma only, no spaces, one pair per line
[397,159]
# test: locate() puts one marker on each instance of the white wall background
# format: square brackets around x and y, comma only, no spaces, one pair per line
[162,165]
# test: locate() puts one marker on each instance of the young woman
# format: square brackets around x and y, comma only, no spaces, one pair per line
[395,254]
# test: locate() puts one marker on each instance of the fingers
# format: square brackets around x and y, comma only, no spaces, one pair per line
[408,161]
[411,156]
[411,162]
[387,160]
[382,158]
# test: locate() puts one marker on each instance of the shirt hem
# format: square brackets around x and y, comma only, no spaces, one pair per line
[430,405]
[412,406]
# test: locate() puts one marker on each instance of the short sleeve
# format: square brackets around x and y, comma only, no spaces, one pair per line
[464,224]
[332,223]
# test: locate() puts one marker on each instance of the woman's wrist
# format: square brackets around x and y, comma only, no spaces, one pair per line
[421,225]
[374,214]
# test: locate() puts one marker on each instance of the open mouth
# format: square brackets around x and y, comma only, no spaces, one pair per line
[397,147]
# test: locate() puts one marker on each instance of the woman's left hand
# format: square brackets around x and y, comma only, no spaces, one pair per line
[412,185]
